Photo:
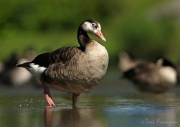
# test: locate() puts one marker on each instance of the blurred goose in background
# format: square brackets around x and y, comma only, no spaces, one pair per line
[127,62]
[9,64]
[72,69]
[154,77]
[19,76]
[13,76]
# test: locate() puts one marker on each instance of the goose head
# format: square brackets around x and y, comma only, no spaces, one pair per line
[161,61]
[92,27]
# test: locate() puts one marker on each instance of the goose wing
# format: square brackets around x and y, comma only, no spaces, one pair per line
[61,55]
[64,55]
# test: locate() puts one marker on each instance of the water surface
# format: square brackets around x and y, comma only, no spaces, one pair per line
[113,103]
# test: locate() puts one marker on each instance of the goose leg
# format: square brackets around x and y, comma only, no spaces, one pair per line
[74,99]
[47,94]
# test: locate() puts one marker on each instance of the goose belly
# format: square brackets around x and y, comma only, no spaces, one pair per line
[74,86]
[74,79]
[79,79]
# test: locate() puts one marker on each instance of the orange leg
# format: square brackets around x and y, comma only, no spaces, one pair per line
[47,94]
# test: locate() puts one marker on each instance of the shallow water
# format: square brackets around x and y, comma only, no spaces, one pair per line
[112,103]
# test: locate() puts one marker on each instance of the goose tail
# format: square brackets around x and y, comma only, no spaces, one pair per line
[23,65]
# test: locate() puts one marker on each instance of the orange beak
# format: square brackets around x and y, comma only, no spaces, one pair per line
[100,35]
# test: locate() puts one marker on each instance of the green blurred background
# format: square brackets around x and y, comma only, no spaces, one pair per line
[145,28]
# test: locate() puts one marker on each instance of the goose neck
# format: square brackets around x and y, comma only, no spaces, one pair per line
[83,38]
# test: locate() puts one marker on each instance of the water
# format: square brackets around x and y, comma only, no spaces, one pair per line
[113,103]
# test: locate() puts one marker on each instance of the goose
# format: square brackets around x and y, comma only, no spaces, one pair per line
[72,69]
[127,62]
[8,65]
[155,77]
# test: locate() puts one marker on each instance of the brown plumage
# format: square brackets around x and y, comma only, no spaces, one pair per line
[72,69]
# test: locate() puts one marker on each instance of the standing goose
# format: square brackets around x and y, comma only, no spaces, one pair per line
[153,77]
[72,69]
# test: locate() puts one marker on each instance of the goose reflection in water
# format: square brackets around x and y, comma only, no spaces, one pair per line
[74,117]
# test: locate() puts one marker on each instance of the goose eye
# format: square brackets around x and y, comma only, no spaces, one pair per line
[94,25]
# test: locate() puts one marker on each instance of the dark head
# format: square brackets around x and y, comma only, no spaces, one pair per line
[164,62]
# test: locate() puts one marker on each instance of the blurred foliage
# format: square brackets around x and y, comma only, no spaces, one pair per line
[43,15]
[47,25]
[146,39]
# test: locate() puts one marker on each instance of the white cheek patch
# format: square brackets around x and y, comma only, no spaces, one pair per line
[87,27]
[36,70]
[99,26]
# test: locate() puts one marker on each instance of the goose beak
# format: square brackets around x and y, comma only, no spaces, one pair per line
[100,35]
